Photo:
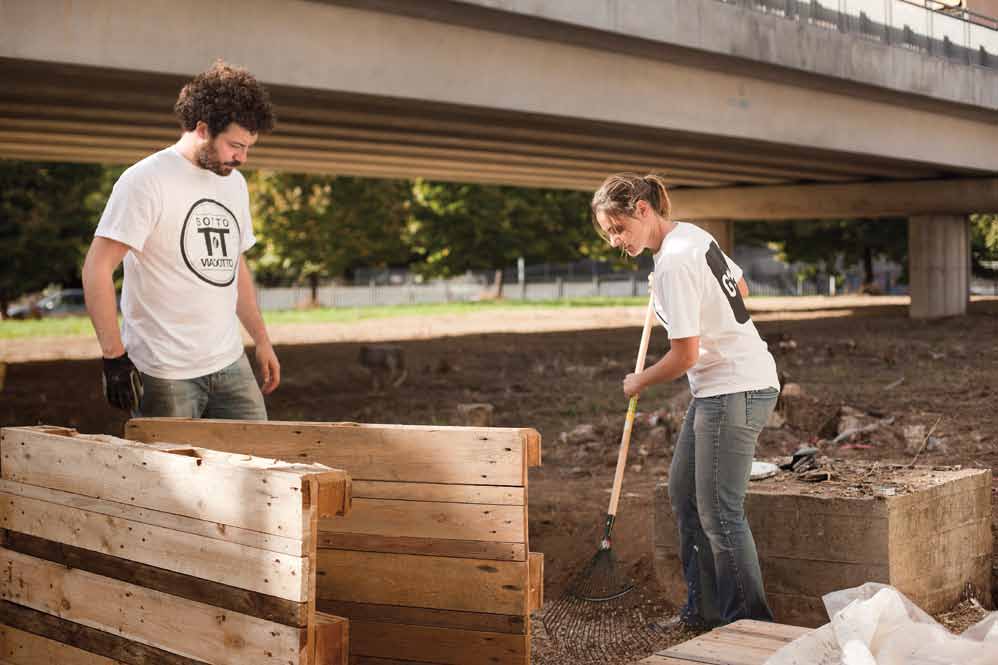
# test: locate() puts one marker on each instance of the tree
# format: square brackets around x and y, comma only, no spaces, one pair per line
[822,245]
[313,227]
[47,217]
[984,244]
[459,227]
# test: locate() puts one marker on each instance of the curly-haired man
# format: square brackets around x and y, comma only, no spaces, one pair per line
[180,221]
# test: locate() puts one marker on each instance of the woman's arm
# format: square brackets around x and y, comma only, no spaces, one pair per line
[682,355]
[743,288]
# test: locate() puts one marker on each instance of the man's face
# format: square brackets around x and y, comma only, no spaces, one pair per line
[228,150]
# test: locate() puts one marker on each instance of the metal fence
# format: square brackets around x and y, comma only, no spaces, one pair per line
[558,282]
[928,26]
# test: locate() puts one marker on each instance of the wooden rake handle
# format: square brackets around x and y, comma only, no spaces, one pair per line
[625,439]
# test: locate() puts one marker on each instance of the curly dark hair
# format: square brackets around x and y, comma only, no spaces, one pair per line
[224,94]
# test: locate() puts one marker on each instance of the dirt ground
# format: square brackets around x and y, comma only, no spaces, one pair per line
[929,388]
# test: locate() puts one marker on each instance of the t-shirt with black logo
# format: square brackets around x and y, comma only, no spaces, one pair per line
[187,229]
[696,294]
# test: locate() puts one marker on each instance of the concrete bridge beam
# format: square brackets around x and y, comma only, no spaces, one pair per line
[959,196]
[939,265]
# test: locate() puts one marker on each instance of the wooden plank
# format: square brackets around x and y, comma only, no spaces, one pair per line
[453,455]
[436,645]
[536,571]
[780,632]
[797,609]
[188,525]
[533,448]
[20,648]
[421,616]
[741,643]
[335,495]
[474,585]
[811,577]
[942,588]
[174,624]
[797,533]
[313,636]
[431,519]
[332,641]
[462,549]
[364,660]
[711,650]
[405,491]
[261,606]
[279,575]
[74,635]
[244,496]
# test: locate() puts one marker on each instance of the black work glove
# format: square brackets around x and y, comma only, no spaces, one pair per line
[122,383]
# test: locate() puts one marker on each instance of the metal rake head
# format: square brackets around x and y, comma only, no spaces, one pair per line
[601,580]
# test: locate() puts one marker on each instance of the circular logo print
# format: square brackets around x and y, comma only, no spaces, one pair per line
[210,242]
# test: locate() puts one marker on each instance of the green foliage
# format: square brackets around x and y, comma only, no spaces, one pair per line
[47,217]
[984,244]
[315,227]
[822,245]
[459,227]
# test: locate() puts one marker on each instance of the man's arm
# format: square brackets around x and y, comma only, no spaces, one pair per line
[249,315]
[103,258]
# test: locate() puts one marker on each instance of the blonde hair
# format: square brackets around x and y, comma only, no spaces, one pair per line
[619,194]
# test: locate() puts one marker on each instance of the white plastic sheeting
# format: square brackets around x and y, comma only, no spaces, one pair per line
[875,624]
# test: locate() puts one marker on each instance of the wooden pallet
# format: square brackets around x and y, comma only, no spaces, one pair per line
[433,564]
[119,552]
[740,643]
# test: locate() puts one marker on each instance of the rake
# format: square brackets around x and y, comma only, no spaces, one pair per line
[597,611]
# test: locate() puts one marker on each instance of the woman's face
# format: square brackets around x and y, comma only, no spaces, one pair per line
[628,233]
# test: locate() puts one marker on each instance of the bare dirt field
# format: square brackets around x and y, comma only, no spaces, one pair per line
[920,385]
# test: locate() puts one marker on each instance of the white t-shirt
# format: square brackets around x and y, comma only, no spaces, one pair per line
[696,294]
[187,229]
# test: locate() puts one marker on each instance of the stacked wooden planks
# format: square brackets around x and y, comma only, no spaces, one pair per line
[118,552]
[432,565]
[930,543]
[740,643]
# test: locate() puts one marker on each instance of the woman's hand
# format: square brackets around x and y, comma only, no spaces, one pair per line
[633,384]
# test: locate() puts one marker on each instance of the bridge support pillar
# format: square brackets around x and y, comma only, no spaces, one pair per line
[939,265]
[722,230]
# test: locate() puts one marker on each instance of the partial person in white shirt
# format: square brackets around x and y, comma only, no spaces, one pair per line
[698,294]
[180,221]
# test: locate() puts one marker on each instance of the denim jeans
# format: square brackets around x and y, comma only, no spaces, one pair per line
[230,393]
[707,483]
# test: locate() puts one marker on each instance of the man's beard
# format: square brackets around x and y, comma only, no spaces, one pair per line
[207,158]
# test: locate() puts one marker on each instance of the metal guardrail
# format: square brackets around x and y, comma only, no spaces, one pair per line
[928,26]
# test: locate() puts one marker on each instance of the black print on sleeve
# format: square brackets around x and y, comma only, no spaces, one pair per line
[719,266]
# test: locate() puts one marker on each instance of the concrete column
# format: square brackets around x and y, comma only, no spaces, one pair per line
[939,265]
[722,230]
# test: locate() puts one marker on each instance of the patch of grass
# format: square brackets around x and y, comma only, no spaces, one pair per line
[69,326]
[79,326]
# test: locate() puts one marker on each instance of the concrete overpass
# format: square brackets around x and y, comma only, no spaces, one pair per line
[749,115]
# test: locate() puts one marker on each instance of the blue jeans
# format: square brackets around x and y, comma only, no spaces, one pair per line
[707,483]
[230,393]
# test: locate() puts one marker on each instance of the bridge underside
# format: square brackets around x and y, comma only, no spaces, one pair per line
[63,112]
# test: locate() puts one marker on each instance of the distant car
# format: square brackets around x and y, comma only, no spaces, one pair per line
[68,302]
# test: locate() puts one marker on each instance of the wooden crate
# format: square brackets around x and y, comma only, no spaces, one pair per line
[740,643]
[120,552]
[929,544]
[432,565]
